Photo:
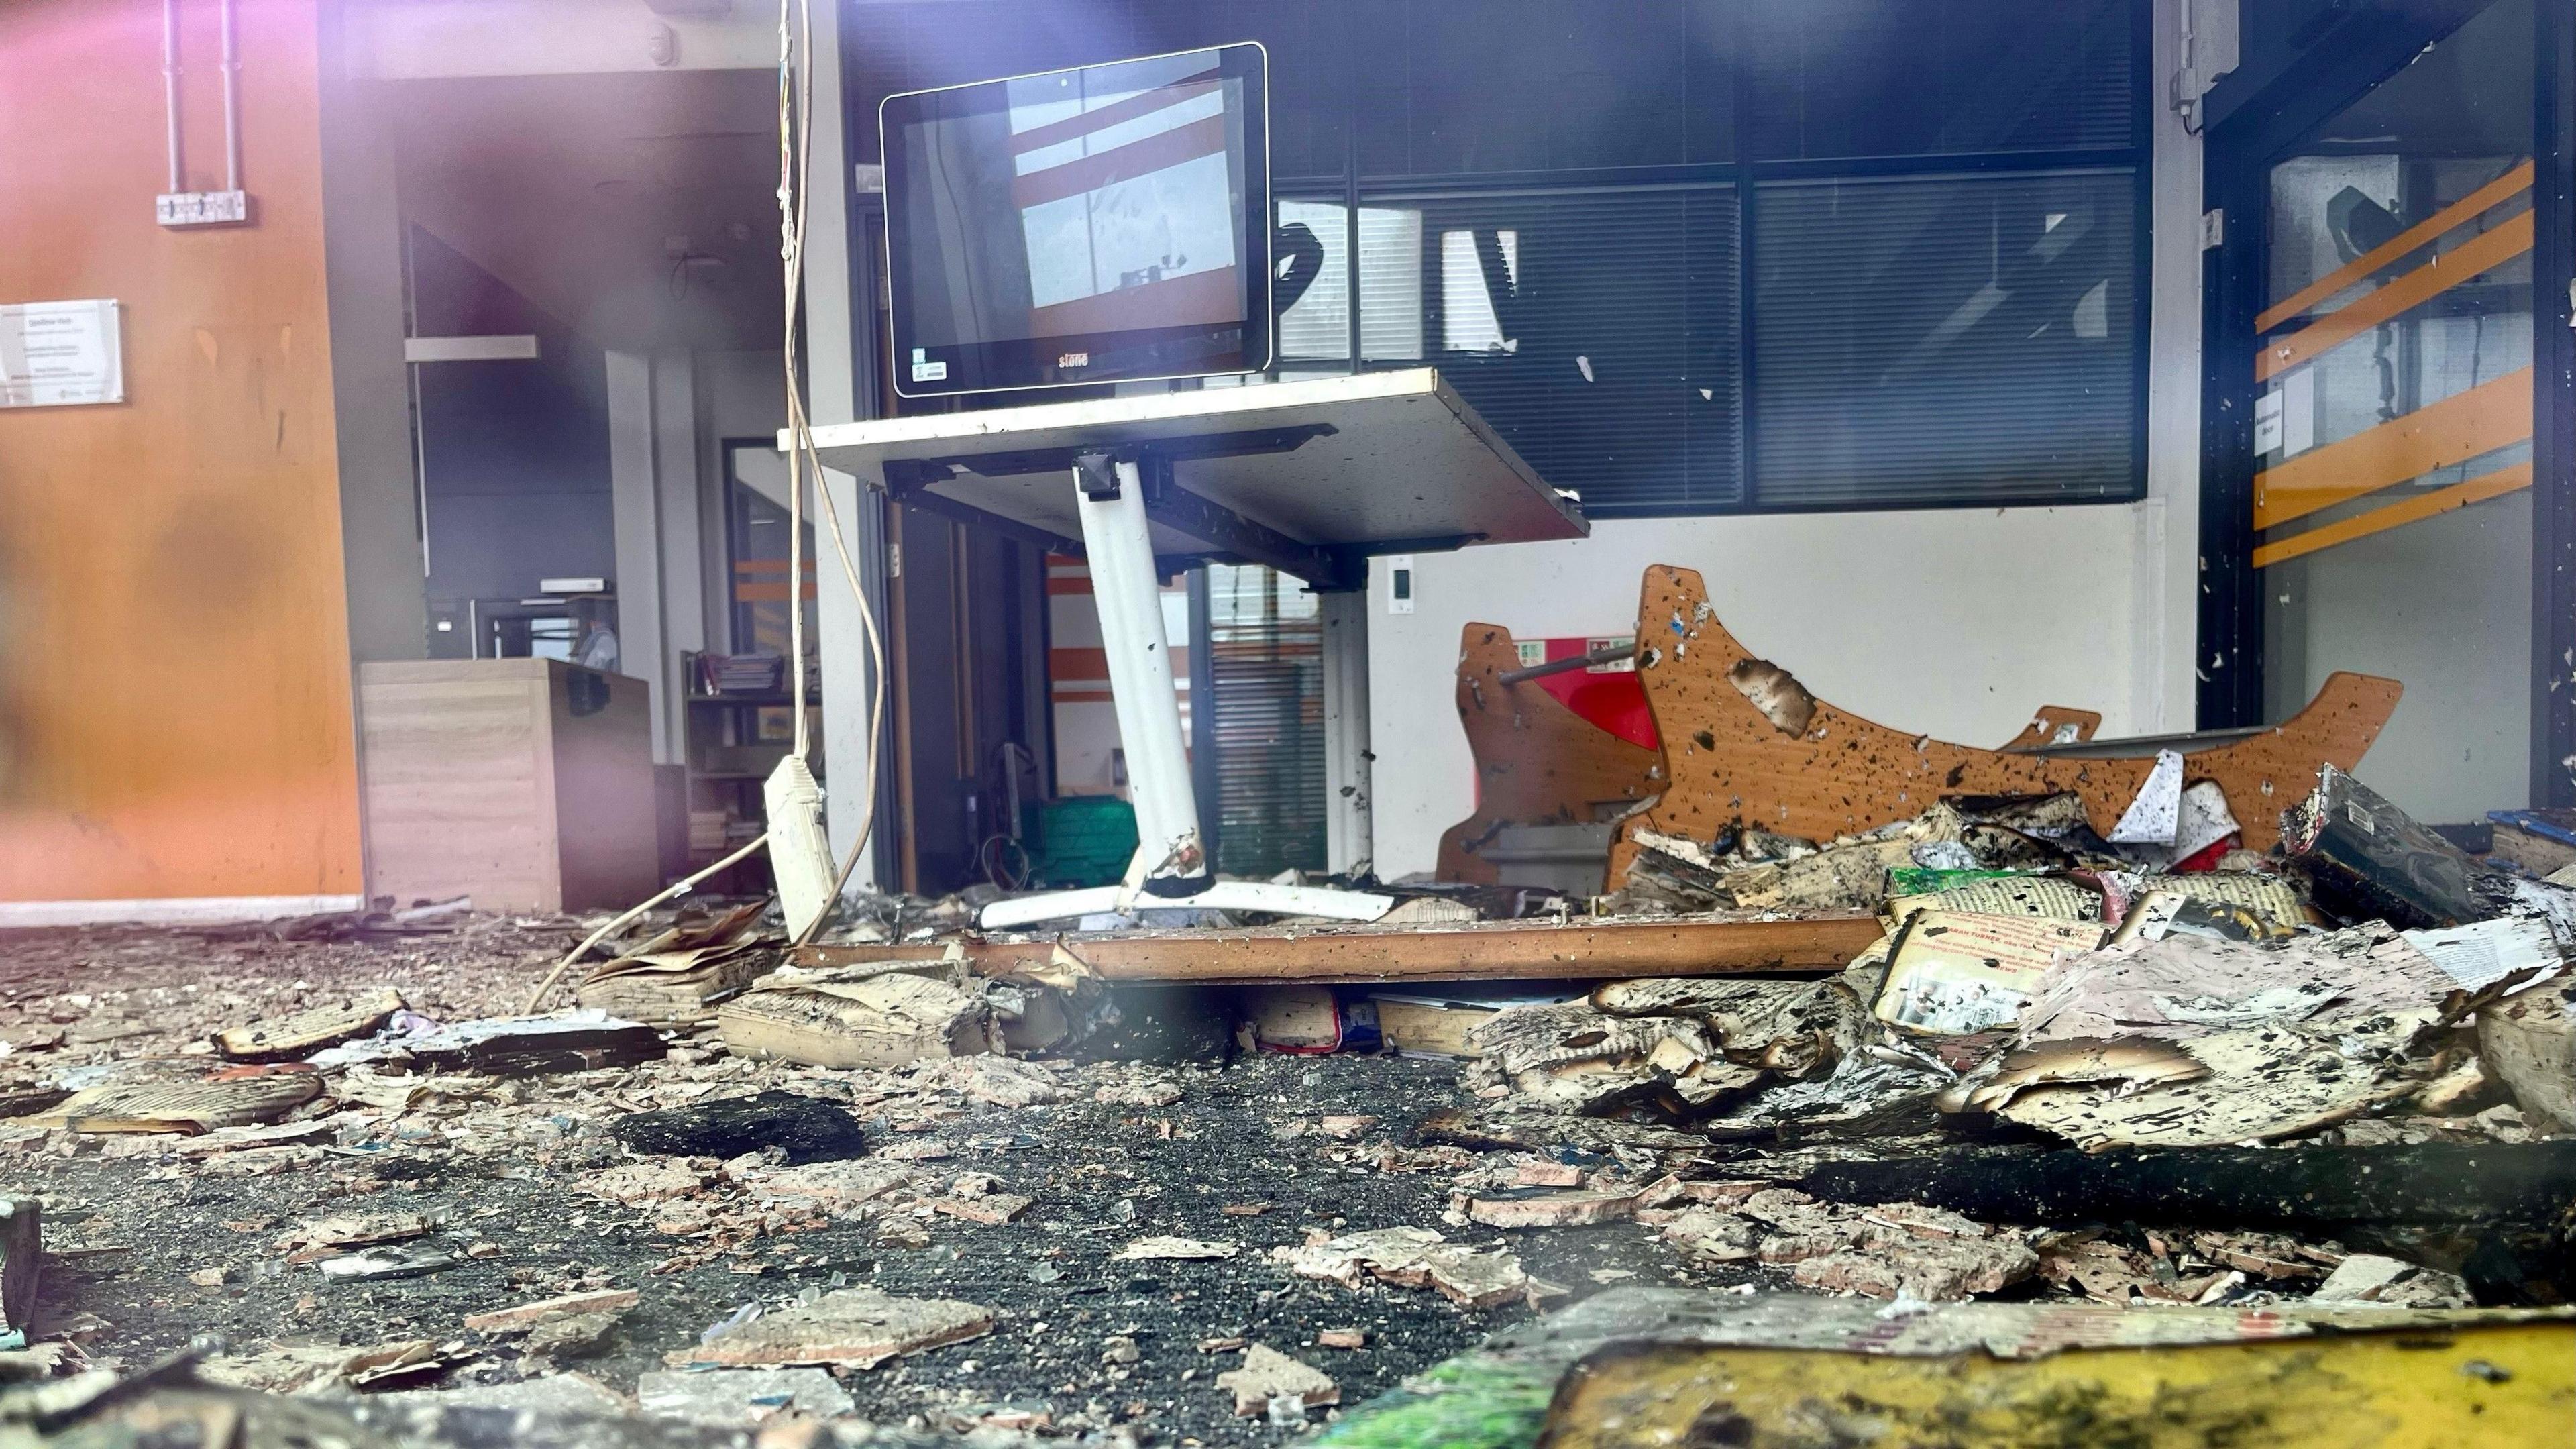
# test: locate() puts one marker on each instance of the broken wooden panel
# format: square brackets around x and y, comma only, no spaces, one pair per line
[1728,763]
[1537,762]
[234,1097]
[1540,763]
[1595,950]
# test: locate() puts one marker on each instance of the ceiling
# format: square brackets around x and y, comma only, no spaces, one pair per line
[638,208]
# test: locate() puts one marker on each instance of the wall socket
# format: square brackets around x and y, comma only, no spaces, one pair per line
[202,208]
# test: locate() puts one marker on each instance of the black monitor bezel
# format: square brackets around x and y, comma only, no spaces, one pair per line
[1031,364]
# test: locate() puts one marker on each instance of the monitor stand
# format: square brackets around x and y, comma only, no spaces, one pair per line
[1171,869]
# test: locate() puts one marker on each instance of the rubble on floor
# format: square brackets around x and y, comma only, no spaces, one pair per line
[1412,1258]
[2137,1075]
[1276,1387]
[852,1327]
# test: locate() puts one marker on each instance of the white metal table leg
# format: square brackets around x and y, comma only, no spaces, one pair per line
[1125,586]
[1117,537]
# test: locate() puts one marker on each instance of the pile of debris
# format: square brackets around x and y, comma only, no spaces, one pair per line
[2371,978]
[2150,1070]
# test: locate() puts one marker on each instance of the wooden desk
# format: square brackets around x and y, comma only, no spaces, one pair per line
[526,784]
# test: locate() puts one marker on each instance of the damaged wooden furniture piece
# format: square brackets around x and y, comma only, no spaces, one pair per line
[1539,763]
[1745,744]
[1580,949]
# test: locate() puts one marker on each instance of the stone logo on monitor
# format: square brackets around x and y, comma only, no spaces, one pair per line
[1073,360]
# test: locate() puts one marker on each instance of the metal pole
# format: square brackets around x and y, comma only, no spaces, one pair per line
[232,105]
[1350,841]
[170,84]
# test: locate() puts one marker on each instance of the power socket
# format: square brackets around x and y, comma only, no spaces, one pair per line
[202,208]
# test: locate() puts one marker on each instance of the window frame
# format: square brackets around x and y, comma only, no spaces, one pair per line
[1355,188]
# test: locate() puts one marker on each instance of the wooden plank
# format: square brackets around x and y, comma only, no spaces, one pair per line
[1537,762]
[1540,763]
[2379,520]
[2475,257]
[2436,435]
[1709,945]
[2378,259]
[1728,764]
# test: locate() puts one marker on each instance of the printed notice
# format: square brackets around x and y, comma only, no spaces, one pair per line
[53,353]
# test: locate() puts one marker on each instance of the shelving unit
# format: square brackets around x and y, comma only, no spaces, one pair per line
[726,760]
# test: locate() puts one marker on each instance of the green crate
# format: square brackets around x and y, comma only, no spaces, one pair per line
[1081,840]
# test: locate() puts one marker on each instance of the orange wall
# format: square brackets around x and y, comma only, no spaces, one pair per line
[174,671]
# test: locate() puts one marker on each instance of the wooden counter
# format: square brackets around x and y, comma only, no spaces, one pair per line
[526,784]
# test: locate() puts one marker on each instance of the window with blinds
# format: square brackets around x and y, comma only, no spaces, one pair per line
[1950,340]
[1595,330]
[1836,78]
[1264,636]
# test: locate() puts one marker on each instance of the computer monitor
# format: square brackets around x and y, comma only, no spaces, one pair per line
[1104,223]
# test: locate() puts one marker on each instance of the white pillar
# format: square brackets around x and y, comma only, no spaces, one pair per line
[635,499]
[1349,843]
[1118,541]
[676,513]
[839,390]
[2167,577]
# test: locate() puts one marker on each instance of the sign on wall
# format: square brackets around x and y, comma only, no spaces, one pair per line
[54,353]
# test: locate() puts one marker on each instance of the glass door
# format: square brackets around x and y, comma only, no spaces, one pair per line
[2392,422]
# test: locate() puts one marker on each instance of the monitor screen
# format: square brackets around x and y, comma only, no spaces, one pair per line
[1106,223]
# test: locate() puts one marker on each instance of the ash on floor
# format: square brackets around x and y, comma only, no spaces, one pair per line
[501,1191]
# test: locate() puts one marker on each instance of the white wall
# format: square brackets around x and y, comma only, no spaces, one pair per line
[1955,622]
